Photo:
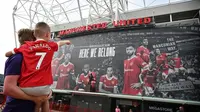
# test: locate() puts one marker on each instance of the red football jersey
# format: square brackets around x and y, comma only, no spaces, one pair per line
[109,83]
[84,79]
[144,53]
[150,77]
[132,69]
[36,65]
[177,62]
[54,65]
[63,72]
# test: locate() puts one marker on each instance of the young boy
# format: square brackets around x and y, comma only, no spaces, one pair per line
[36,76]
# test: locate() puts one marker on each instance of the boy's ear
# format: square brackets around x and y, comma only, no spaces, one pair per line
[46,35]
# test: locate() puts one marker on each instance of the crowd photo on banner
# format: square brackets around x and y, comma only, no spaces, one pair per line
[155,62]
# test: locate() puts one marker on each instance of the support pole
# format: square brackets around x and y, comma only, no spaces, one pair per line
[170,17]
[79,7]
[14,28]
[199,15]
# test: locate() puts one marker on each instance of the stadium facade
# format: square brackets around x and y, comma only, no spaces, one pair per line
[110,51]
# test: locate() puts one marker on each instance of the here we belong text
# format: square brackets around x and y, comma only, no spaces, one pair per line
[97,52]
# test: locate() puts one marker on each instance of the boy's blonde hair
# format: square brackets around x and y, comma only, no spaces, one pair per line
[41,29]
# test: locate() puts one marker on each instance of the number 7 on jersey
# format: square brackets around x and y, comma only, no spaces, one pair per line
[42,55]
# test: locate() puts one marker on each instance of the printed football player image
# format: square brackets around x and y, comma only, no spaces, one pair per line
[177,71]
[162,63]
[85,77]
[143,51]
[63,73]
[190,66]
[178,64]
[133,66]
[55,62]
[108,82]
[148,77]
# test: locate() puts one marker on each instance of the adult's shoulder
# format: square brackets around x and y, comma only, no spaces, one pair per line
[17,57]
[13,65]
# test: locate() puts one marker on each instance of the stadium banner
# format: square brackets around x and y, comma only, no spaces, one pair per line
[157,62]
[186,85]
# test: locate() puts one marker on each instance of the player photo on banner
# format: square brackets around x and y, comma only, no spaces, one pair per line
[156,62]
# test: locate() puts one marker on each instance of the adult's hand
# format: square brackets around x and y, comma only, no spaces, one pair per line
[11,89]
[38,100]
[50,94]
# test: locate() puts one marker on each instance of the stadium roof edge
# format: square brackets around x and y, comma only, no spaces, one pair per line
[145,12]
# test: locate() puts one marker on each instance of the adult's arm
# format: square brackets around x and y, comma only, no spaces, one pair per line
[11,88]
[15,50]
[12,74]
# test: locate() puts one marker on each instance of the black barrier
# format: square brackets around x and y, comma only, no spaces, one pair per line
[96,103]
[79,102]
[100,102]
[169,107]
[60,101]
